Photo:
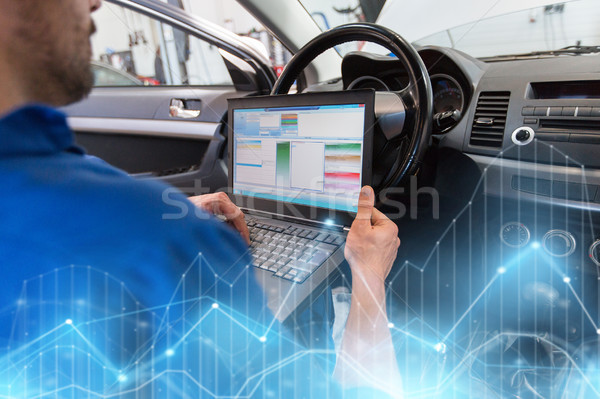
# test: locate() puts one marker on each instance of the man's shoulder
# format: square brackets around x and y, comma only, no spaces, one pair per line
[148,200]
[80,211]
[95,179]
[89,192]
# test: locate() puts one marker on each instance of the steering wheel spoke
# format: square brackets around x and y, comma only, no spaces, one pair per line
[390,111]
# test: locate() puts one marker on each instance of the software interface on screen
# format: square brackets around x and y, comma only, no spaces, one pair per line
[309,155]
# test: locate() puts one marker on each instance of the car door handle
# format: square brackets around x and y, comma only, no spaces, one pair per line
[178,109]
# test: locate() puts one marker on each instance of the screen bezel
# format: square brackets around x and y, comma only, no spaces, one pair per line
[331,217]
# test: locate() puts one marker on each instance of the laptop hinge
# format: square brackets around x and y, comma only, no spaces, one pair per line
[292,219]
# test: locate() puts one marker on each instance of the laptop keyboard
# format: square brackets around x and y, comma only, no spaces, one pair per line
[291,253]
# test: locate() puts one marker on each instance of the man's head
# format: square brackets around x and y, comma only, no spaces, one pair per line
[45,50]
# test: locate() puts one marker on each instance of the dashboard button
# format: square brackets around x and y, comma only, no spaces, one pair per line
[594,252]
[555,111]
[541,111]
[568,111]
[522,135]
[584,111]
[515,234]
[530,121]
[527,111]
[595,111]
[559,243]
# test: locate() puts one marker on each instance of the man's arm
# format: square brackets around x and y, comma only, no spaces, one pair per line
[367,357]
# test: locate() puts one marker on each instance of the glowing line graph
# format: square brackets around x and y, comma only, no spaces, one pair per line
[24,357]
[435,346]
[258,376]
[72,325]
[502,270]
[537,337]
[118,374]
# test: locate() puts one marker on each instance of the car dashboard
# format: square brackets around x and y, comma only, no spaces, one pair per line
[532,126]
[517,177]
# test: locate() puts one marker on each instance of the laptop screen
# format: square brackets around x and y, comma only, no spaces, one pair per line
[305,155]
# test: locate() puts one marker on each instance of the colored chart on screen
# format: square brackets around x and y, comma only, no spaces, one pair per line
[305,155]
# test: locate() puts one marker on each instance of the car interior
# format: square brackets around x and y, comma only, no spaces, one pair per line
[487,161]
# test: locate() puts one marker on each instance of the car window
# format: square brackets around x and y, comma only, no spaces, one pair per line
[106,75]
[328,14]
[232,16]
[130,49]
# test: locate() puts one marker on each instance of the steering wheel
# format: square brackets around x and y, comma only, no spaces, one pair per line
[397,157]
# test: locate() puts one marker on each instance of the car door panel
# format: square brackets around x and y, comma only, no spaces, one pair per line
[136,154]
[153,102]
[132,129]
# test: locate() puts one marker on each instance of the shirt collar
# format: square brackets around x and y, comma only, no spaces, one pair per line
[36,130]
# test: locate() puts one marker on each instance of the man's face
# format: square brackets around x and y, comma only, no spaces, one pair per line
[55,38]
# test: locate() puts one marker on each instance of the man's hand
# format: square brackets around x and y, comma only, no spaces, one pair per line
[220,204]
[372,243]
[367,356]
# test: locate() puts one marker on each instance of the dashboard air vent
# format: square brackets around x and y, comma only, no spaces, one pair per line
[490,119]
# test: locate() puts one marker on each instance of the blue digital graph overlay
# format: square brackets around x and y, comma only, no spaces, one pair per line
[476,317]
[473,318]
[78,332]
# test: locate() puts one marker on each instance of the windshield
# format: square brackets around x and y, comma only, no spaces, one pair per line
[481,29]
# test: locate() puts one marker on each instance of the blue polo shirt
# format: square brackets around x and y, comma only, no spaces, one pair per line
[109,282]
[61,208]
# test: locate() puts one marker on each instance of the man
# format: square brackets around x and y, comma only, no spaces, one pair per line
[62,210]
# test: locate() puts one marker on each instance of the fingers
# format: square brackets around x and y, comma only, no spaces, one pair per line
[388,229]
[196,200]
[381,220]
[239,223]
[378,218]
[234,215]
[366,203]
[220,204]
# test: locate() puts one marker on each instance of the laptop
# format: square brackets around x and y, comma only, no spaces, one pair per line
[296,167]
